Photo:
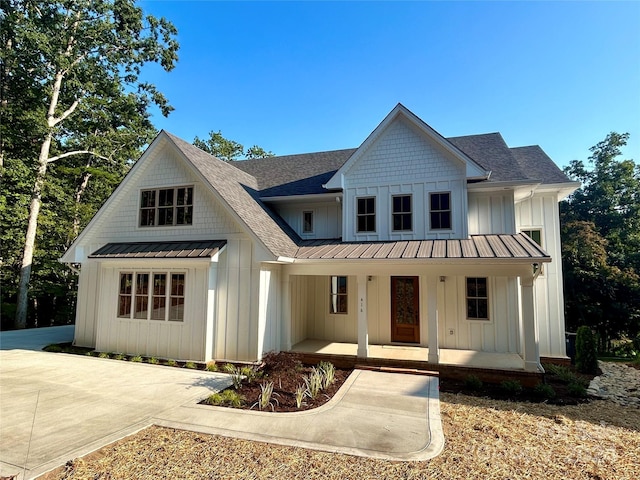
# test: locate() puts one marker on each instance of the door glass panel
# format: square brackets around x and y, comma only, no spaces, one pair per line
[405,305]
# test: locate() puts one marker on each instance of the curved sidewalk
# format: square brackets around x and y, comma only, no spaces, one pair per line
[55,407]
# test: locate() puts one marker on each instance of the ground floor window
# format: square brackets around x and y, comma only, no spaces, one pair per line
[151,296]
[477,298]
[338,295]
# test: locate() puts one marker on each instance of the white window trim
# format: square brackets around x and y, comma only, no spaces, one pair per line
[375,215]
[151,272]
[489,318]
[164,187]
[337,295]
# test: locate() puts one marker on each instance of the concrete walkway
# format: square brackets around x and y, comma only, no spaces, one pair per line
[55,407]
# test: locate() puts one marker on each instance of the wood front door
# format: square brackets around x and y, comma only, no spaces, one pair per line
[405,311]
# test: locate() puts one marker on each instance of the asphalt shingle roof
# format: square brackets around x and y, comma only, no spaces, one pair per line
[539,165]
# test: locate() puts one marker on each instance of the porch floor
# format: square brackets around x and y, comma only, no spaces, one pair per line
[452,357]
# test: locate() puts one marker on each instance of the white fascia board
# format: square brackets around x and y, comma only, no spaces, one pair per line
[317,197]
[503,185]
[162,136]
[562,189]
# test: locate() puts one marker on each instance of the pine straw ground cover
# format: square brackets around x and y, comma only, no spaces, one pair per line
[484,438]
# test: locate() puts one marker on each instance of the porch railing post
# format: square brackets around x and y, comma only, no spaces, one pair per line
[363,328]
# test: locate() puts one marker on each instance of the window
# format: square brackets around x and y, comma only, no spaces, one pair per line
[138,298]
[401,212]
[307,222]
[535,235]
[366,214]
[440,211]
[338,296]
[477,299]
[166,206]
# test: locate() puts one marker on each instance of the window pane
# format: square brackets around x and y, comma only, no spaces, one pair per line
[184,196]
[124,306]
[165,216]
[147,217]
[159,308]
[176,314]
[148,199]
[142,306]
[142,284]
[177,284]
[126,279]
[165,197]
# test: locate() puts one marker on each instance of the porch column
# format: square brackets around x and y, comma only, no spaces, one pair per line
[212,315]
[363,328]
[285,286]
[433,286]
[529,326]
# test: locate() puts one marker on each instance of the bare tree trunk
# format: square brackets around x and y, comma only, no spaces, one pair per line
[82,186]
[30,239]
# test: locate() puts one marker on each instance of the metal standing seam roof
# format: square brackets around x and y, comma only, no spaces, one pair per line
[193,249]
[491,247]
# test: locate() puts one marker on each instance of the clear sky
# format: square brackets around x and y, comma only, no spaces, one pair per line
[297,77]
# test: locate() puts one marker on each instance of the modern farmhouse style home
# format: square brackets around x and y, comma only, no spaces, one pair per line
[412,245]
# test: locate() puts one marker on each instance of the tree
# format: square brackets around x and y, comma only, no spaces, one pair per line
[600,226]
[229,150]
[71,81]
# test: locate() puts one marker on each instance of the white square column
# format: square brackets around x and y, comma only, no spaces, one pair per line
[531,342]
[434,285]
[363,327]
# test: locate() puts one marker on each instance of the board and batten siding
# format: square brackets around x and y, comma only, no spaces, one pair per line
[327,218]
[403,161]
[177,340]
[542,212]
[86,311]
[269,315]
[491,213]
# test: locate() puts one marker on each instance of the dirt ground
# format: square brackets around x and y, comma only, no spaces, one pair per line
[484,438]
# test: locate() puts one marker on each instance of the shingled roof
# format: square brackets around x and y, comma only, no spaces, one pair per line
[240,191]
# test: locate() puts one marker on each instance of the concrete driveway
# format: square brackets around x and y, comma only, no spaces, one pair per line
[55,407]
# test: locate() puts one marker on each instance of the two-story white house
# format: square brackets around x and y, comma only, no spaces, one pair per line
[445,250]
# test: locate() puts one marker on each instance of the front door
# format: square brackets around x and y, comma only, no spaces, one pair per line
[405,311]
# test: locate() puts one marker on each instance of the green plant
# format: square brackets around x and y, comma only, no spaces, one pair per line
[586,353]
[190,365]
[577,389]
[564,374]
[545,391]
[229,398]
[472,382]
[300,393]
[250,373]
[511,387]
[172,363]
[53,348]
[103,355]
[235,373]
[153,360]
[118,356]
[314,382]
[328,374]
[265,399]
[212,367]
[136,359]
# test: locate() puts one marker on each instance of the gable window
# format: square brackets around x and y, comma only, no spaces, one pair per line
[534,234]
[401,213]
[366,214]
[151,296]
[477,298]
[440,210]
[166,207]
[307,221]
[338,295]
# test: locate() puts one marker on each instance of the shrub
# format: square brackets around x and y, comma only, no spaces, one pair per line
[212,367]
[544,391]
[103,355]
[265,399]
[190,365]
[153,360]
[172,363]
[250,373]
[586,354]
[235,373]
[314,382]
[328,374]
[564,374]
[229,398]
[136,359]
[511,387]
[636,343]
[577,389]
[472,382]
[118,356]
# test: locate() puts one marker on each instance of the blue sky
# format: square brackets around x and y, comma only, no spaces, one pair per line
[296,77]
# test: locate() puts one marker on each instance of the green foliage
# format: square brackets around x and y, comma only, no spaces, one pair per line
[226,398]
[250,373]
[235,373]
[190,365]
[314,382]
[135,359]
[328,374]
[511,387]
[153,361]
[172,363]
[472,382]
[265,399]
[564,374]
[229,150]
[212,367]
[300,394]
[544,391]
[600,226]
[118,356]
[577,389]
[104,355]
[586,352]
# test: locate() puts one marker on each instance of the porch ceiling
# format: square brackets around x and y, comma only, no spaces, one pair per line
[490,247]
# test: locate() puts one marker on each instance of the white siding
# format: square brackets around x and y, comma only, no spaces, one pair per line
[327,218]
[542,212]
[403,161]
[491,213]
[86,308]
[269,321]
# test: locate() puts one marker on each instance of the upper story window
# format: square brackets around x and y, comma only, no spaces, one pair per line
[440,210]
[477,299]
[401,213]
[307,221]
[166,207]
[366,214]
[151,296]
[534,234]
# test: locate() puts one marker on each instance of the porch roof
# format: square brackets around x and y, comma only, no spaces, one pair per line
[188,249]
[491,247]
